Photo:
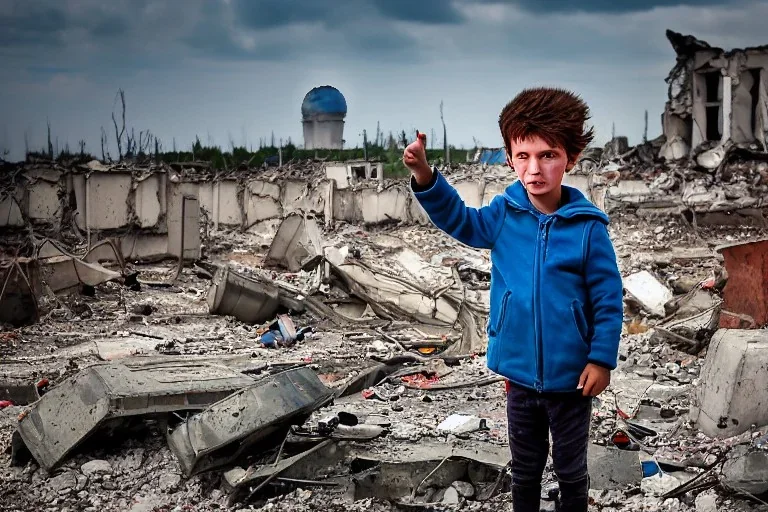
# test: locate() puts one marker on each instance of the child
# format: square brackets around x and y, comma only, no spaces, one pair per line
[556,292]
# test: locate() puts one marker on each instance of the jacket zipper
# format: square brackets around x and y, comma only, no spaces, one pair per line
[538,383]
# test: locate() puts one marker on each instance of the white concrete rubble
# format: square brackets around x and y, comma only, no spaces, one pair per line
[733,392]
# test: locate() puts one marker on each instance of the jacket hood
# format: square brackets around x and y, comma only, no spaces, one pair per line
[574,203]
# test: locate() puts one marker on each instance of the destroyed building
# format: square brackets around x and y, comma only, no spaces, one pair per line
[716,97]
[302,338]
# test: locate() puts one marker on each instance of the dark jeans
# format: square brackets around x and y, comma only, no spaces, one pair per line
[531,416]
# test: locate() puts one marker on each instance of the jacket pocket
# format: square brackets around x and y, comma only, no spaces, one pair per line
[496,327]
[577,312]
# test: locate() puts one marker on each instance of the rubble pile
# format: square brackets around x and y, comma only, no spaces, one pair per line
[343,368]
[301,337]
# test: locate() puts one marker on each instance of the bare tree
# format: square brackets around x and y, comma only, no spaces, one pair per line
[104,151]
[81,145]
[130,144]
[432,138]
[26,144]
[119,132]
[645,132]
[50,143]
[365,143]
[445,136]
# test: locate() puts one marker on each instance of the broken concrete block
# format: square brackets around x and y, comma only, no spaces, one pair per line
[74,409]
[746,469]
[461,424]
[648,291]
[247,298]
[297,245]
[96,467]
[733,393]
[225,430]
[611,469]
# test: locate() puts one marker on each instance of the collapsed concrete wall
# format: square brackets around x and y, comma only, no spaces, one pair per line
[151,213]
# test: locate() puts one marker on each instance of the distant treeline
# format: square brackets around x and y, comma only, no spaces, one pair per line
[268,156]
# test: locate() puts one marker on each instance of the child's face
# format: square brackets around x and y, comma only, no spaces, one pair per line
[538,165]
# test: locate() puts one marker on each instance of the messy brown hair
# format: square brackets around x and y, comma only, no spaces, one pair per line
[556,115]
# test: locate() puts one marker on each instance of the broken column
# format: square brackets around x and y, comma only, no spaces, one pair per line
[733,395]
[248,298]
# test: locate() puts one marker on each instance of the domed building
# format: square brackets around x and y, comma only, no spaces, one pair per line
[322,113]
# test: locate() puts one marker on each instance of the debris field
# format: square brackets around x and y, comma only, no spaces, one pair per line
[301,338]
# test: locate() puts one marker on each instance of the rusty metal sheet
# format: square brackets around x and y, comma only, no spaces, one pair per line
[71,411]
[224,431]
[746,292]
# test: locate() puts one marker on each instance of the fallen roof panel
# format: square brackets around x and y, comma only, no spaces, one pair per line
[71,411]
[221,433]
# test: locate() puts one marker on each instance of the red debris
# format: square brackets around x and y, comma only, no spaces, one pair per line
[730,320]
[419,380]
[5,403]
[746,293]
[368,393]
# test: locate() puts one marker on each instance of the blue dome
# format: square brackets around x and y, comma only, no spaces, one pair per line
[323,100]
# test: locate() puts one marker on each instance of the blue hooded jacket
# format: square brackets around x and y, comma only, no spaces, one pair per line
[556,291]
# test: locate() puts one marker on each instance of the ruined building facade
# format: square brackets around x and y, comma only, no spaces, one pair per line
[716,97]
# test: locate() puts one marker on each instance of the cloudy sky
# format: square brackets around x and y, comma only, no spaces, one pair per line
[239,69]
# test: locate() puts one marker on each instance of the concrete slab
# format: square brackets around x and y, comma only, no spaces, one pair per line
[226,209]
[339,174]
[612,469]
[112,213]
[294,197]
[247,298]
[71,411]
[733,394]
[746,469]
[43,203]
[648,291]
[150,199]
[297,245]
[229,428]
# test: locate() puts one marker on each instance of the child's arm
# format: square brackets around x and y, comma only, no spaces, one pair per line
[605,289]
[476,227]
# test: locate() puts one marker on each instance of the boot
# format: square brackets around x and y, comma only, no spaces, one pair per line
[526,497]
[574,496]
